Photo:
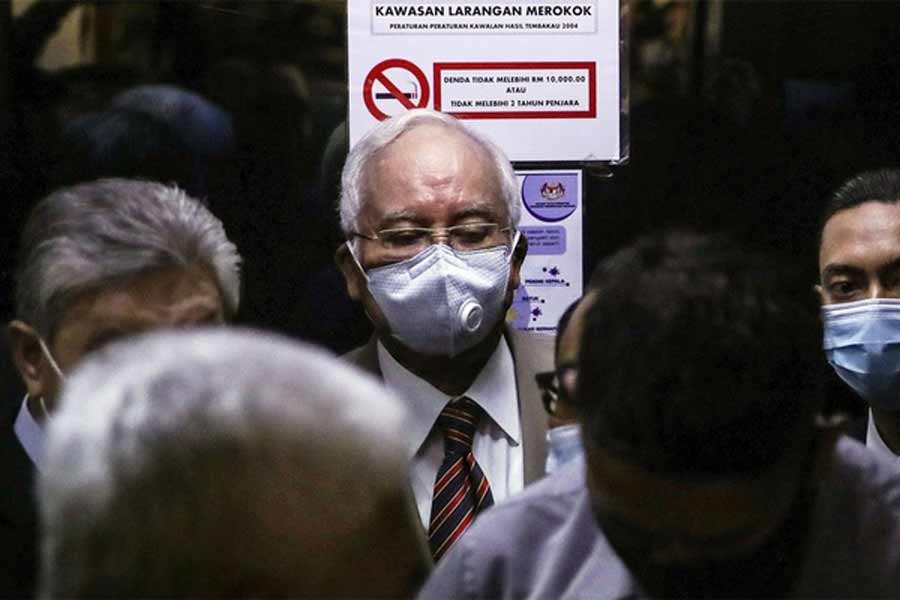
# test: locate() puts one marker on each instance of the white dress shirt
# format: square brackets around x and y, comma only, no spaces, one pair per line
[875,443]
[30,433]
[498,441]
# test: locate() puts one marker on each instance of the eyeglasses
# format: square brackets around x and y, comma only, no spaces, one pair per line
[551,390]
[406,242]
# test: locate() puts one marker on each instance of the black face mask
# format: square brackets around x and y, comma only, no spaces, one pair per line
[768,571]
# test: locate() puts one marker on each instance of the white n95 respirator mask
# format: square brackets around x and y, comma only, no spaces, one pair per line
[442,301]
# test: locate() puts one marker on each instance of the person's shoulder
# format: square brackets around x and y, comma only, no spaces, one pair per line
[561,486]
[18,517]
[854,550]
[545,506]
[541,543]
[867,472]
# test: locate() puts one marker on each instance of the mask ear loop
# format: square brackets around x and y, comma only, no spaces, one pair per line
[56,369]
[44,408]
[350,247]
[514,245]
[50,359]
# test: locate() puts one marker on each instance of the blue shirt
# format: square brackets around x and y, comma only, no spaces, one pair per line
[544,542]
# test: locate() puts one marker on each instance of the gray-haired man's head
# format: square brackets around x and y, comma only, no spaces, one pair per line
[104,259]
[423,184]
[355,179]
[226,463]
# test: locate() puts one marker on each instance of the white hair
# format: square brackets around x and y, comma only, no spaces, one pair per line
[84,237]
[176,458]
[353,184]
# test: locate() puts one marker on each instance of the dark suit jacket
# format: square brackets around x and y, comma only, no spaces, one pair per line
[858,428]
[18,513]
[531,353]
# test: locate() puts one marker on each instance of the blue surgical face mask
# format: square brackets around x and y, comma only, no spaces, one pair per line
[563,446]
[862,343]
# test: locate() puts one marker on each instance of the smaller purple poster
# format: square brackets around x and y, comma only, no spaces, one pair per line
[552,272]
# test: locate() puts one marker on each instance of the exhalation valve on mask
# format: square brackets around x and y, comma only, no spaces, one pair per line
[471,316]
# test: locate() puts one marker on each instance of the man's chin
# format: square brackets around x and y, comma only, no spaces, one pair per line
[400,350]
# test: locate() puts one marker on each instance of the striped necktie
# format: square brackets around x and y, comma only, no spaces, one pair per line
[461,490]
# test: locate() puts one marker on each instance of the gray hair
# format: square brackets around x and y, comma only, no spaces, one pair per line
[353,177]
[188,463]
[82,238]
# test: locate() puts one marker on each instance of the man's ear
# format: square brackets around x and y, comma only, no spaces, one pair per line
[28,357]
[515,268]
[353,276]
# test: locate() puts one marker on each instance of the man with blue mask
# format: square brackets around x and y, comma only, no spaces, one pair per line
[98,261]
[430,212]
[859,284]
[564,443]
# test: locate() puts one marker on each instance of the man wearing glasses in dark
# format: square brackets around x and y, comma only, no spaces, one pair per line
[563,432]
[708,472]
[430,210]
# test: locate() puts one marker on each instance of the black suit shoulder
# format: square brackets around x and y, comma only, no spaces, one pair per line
[18,515]
[858,428]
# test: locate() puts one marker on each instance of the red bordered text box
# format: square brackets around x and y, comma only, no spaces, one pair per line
[590,67]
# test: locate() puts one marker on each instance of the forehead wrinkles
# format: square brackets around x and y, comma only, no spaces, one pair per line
[165,293]
[434,158]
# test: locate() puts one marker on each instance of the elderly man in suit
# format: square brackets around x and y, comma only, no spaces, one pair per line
[98,261]
[429,209]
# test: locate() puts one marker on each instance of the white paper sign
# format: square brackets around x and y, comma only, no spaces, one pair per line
[552,272]
[541,78]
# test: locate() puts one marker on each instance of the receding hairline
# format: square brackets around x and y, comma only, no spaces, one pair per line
[197,272]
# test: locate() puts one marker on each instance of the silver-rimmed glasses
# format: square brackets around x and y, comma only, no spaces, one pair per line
[401,243]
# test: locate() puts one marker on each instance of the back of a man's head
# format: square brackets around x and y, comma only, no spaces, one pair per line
[229,464]
[698,360]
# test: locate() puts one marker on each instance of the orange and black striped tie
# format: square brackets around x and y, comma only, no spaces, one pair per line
[461,490]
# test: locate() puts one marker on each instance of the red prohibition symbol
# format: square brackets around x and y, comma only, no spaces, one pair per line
[414,98]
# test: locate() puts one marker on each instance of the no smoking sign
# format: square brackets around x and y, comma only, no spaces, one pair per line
[394,86]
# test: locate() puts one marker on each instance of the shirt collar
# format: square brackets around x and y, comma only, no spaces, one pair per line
[31,435]
[494,390]
[875,443]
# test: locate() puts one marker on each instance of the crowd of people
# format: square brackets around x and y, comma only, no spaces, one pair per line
[670,442]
